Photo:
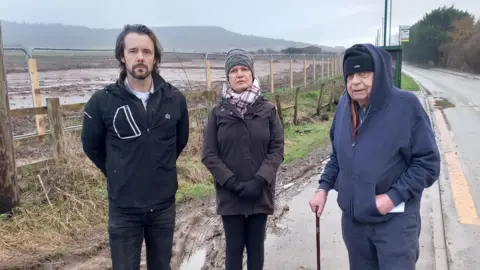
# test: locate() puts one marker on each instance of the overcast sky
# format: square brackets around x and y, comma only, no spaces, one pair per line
[340,22]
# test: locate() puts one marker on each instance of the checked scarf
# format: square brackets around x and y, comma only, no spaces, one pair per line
[242,100]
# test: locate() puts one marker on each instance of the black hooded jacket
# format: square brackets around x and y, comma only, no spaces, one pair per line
[137,148]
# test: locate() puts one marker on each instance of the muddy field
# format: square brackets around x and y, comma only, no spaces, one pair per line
[75,78]
[199,239]
[77,85]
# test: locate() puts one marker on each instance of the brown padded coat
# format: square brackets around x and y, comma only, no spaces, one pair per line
[243,147]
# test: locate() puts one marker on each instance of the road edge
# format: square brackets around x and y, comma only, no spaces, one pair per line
[458,73]
[439,239]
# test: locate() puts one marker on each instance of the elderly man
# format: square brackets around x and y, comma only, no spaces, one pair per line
[384,155]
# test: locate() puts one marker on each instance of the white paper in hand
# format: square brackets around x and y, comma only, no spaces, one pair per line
[399,208]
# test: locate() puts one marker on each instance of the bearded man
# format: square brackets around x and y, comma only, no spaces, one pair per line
[133,131]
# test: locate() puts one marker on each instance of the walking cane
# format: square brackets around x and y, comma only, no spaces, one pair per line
[317,221]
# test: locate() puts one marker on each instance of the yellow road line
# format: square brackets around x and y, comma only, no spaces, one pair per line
[462,197]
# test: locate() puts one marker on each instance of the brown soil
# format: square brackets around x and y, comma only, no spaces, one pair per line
[196,228]
[73,85]
[61,77]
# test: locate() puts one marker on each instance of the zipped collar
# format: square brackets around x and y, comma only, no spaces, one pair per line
[159,83]
[131,90]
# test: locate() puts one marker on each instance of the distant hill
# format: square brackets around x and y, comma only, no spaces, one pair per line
[178,38]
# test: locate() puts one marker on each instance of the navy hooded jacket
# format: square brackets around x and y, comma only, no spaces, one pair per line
[395,151]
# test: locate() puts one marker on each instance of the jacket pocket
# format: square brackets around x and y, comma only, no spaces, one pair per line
[124,124]
[366,203]
[374,209]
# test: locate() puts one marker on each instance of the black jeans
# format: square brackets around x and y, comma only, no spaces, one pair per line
[391,245]
[128,229]
[244,231]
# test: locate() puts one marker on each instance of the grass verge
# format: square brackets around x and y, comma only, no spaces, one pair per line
[303,139]
[408,83]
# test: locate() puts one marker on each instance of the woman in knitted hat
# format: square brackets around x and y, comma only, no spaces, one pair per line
[243,147]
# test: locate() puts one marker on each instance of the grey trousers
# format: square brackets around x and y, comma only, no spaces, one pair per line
[392,245]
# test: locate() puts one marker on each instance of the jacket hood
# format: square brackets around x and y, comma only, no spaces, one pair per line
[382,87]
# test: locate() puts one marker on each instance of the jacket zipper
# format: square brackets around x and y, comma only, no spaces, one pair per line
[355,135]
[232,108]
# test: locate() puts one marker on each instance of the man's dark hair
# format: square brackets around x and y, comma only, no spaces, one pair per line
[139,29]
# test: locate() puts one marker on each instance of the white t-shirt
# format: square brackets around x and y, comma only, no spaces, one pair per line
[143,96]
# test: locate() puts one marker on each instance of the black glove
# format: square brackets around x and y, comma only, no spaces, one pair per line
[253,188]
[262,182]
[234,185]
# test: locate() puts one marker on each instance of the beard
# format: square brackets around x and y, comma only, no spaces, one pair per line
[139,72]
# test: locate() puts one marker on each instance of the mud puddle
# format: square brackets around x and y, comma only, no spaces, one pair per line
[443,103]
[196,261]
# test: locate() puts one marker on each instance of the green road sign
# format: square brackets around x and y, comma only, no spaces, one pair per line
[396,53]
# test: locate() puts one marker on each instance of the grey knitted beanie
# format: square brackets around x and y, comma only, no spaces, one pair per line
[238,57]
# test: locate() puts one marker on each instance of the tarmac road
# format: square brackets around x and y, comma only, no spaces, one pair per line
[296,247]
[450,237]
[456,112]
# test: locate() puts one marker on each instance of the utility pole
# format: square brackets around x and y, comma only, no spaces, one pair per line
[390,31]
[385,24]
[382,32]
[379,36]
[9,194]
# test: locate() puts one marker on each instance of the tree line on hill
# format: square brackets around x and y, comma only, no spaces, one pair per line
[293,50]
[447,38]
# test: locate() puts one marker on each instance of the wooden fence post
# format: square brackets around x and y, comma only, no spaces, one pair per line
[55,123]
[328,66]
[272,79]
[314,69]
[279,109]
[322,67]
[209,99]
[37,97]
[332,96]
[295,112]
[208,75]
[319,102]
[9,192]
[291,72]
[333,66]
[305,71]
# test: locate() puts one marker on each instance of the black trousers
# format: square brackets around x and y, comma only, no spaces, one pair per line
[127,231]
[245,231]
[391,245]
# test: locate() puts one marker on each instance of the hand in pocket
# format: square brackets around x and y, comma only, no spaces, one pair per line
[384,204]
